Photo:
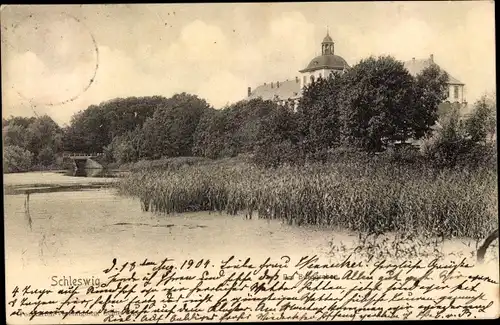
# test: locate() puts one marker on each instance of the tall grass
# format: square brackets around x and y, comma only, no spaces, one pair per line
[369,197]
[164,163]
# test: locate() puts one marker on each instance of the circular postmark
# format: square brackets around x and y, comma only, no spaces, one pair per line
[63,41]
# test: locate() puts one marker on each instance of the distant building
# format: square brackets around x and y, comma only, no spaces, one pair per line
[290,91]
[456,88]
[279,91]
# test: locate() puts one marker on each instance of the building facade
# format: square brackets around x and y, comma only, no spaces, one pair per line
[456,88]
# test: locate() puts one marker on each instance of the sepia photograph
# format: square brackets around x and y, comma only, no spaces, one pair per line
[250,162]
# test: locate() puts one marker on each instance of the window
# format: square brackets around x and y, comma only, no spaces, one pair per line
[305,80]
[312,78]
[456,92]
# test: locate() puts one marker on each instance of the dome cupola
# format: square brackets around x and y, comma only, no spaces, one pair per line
[327,46]
[327,60]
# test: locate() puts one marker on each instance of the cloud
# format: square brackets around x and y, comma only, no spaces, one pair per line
[404,39]
[408,39]
[203,42]
[32,84]
[233,88]
[27,64]
[289,43]
[478,57]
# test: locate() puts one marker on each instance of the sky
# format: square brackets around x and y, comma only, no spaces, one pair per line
[58,60]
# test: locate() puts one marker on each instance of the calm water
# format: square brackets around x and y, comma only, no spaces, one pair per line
[101,173]
[83,230]
[79,232]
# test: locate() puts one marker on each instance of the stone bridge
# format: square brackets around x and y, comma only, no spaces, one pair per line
[84,160]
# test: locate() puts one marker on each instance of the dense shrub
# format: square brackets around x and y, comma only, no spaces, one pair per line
[46,156]
[404,153]
[459,142]
[16,159]
[40,136]
[123,149]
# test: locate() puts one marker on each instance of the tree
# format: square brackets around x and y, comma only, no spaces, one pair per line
[43,133]
[451,145]
[232,130]
[429,93]
[14,130]
[210,136]
[318,116]
[377,104]
[444,145]
[16,159]
[94,128]
[46,156]
[14,135]
[125,114]
[125,148]
[244,120]
[24,122]
[89,131]
[481,123]
[491,124]
[39,136]
[280,141]
[44,138]
[170,131]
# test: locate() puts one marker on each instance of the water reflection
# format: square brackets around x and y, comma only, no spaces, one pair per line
[86,172]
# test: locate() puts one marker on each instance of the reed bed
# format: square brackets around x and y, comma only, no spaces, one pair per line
[367,198]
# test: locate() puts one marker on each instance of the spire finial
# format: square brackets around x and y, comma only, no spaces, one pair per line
[327,31]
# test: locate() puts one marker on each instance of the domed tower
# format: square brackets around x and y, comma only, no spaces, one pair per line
[327,46]
[323,65]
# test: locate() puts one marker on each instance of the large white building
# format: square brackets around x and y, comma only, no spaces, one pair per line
[290,90]
[456,88]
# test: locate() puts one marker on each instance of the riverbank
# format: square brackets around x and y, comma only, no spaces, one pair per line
[367,197]
[177,162]
[51,181]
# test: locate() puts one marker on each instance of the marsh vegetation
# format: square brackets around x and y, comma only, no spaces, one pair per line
[369,196]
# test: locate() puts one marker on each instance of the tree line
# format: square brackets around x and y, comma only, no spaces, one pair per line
[371,107]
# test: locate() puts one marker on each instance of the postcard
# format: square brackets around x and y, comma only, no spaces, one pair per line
[236,162]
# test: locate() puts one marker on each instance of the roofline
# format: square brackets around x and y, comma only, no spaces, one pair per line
[321,67]
[280,81]
[271,99]
[432,62]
